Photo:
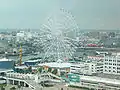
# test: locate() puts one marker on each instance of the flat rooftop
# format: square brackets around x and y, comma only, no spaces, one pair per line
[33,61]
[5,59]
[56,64]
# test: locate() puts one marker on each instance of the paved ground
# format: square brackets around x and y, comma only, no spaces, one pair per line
[9,86]
[60,87]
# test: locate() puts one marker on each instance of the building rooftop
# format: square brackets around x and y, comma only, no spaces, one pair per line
[56,64]
[5,59]
[21,67]
[32,61]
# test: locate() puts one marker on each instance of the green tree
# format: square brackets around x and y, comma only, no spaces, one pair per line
[54,71]
[40,70]
[2,88]
[49,69]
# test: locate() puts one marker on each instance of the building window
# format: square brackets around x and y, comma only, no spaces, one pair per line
[114,60]
[77,67]
[114,63]
[118,61]
[110,60]
[118,64]
[110,63]
[73,69]
[118,68]
[114,67]
[118,71]
[106,63]
[106,60]
[113,71]
[72,66]
[109,70]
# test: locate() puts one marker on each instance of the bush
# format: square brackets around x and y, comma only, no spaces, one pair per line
[12,88]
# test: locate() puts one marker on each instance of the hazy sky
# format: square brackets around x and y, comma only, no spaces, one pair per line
[89,14]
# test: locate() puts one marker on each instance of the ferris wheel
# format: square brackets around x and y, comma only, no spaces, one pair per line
[57,36]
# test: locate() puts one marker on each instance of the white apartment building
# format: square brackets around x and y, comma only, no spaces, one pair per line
[99,67]
[111,65]
[79,68]
[83,68]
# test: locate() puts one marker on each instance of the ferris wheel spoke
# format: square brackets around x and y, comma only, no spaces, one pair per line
[45,46]
[70,39]
[46,26]
[65,52]
[47,52]
[72,45]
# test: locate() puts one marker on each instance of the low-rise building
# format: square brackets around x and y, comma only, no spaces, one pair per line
[6,63]
[61,67]
[86,68]
[111,65]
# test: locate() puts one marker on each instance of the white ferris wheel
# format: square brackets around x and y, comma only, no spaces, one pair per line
[57,36]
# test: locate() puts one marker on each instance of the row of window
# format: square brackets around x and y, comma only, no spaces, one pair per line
[100,67]
[109,70]
[112,60]
[112,67]
[112,64]
[112,71]
[75,66]
[100,70]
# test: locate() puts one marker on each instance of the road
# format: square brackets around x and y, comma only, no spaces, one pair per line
[61,87]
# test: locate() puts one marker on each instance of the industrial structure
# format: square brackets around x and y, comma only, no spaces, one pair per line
[20,55]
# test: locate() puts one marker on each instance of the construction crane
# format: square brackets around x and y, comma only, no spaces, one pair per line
[20,55]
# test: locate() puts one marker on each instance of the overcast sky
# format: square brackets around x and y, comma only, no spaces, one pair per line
[89,14]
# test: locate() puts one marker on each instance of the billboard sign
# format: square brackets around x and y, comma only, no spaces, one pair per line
[74,77]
